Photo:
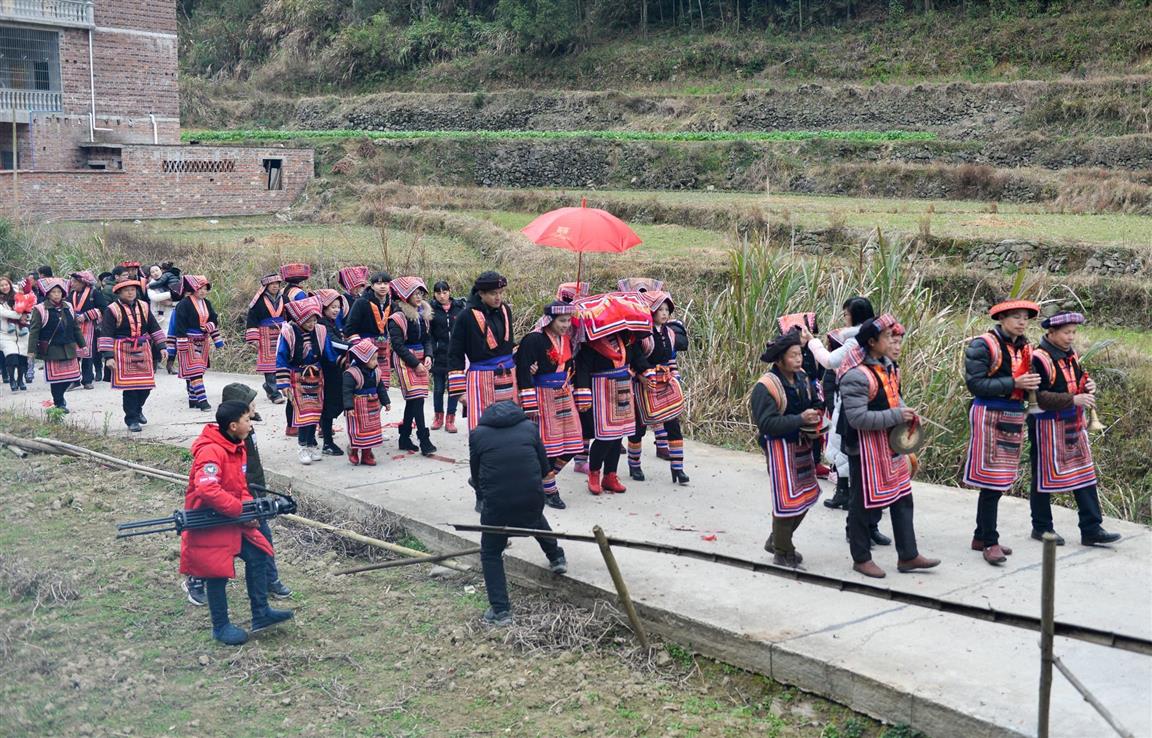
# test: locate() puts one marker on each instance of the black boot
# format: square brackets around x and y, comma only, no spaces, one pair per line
[426,447]
[406,440]
[840,498]
[636,473]
[679,477]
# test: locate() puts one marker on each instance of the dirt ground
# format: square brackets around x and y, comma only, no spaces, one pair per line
[96,638]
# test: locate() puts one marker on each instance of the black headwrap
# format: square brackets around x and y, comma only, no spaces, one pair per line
[489,281]
[778,345]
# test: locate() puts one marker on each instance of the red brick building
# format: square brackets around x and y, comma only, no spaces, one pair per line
[90,89]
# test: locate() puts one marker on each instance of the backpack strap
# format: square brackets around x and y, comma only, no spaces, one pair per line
[775,389]
[1044,359]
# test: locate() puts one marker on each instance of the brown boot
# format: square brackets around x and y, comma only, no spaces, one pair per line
[450,423]
[920,562]
[869,569]
[994,555]
[978,545]
[438,421]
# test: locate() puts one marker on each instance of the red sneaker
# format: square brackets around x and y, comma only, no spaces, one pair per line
[594,483]
[366,457]
[438,421]
[612,484]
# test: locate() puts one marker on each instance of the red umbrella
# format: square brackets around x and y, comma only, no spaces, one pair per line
[582,230]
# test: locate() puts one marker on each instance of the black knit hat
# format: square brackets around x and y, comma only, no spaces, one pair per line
[489,281]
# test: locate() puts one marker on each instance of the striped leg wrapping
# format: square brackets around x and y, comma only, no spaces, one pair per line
[634,454]
[661,437]
[550,485]
[196,391]
[676,455]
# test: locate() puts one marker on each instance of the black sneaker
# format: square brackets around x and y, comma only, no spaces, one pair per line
[204,406]
[134,427]
[194,588]
[141,419]
[559,566]
[331,449]
[879,538]
[501,619]
[553,500]
[279,590]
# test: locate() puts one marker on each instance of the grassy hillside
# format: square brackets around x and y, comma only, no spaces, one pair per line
[301,46]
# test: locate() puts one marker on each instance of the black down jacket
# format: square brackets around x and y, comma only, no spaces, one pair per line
[508,465]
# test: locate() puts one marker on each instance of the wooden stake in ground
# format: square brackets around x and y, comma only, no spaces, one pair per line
[1047,631]
[621,588]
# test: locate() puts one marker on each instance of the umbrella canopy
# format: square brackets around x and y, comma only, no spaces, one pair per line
[582,230]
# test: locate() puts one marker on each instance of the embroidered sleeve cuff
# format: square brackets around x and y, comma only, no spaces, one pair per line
[252,335]
[158,338]
[583,398]
[105,344]
[528,400]
[283,379]
[457,384]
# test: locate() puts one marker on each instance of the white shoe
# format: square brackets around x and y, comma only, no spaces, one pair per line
[305,456]
[315,452]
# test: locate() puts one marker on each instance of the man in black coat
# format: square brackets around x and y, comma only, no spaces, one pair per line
[508,468]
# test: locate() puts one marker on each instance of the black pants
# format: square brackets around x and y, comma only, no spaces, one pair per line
[327,418]
[270,567]
[133,403]
[1087,506]
[58,389]
[306,435]
[604,454]
[492,547]
[671,426]
[14,367]
[987,508]
[414,415]
[90,371]
[859,539]
[439,388]
[255,579]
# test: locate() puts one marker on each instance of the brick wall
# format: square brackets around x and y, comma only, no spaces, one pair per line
[157,16]
[56,139]
[145,190]
[135,74]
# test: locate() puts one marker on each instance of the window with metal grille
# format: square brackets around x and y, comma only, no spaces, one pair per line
[29,59]
[185,166]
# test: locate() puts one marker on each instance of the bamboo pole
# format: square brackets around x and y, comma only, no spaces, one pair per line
[1091,700]
[1047,632]
[409,562]
[621,588]
[15,166]
[369,541]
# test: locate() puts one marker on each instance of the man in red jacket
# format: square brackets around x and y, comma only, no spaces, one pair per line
[217,481]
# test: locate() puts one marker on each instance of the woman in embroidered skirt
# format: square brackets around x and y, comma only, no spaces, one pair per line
[194,333]
[998,373]
[410,333]
[54,337]
[787,413]
[543,369]
[88,306]
[363,395]
[128,333]
[480,363]
[300,357]
[870,407]
[1060,455]
[659,402]
[262,331]
[332,305]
